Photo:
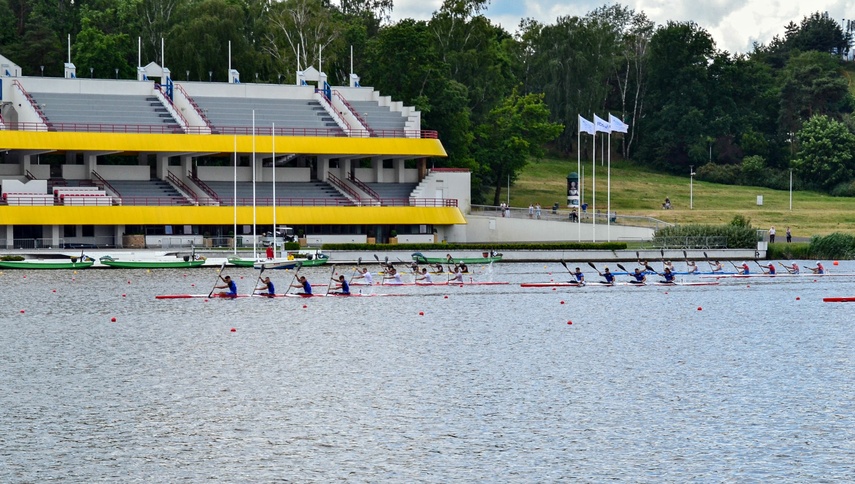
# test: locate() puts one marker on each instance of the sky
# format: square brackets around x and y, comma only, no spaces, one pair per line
[734,24]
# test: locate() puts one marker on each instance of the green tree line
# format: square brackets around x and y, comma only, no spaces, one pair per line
[499,99]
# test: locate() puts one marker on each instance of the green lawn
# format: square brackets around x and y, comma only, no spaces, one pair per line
[635,191]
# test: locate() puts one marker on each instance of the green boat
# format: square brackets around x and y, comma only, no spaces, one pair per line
[74,263]
[151,264]
[419,258]
[304,258]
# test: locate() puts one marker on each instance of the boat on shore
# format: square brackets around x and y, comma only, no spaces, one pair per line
[183,263]
[420,258]
[41,264]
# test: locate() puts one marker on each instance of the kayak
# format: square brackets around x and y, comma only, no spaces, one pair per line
[420,258]
[45,264]
[265,296]
[150,264]
[839,299]
[566,284]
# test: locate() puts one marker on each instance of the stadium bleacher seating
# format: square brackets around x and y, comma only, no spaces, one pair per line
[103,109]
[380,118]
[295,114]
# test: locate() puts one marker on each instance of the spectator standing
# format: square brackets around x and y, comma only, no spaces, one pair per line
[789,235]
[530,211]
[772,234]
[537,210]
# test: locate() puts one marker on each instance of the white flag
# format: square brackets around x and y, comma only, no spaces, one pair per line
[618,125]
[602,124]
[586,126]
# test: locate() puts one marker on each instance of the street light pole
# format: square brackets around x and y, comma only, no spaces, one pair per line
[691,187]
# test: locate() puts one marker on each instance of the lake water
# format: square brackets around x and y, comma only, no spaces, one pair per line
[749,381]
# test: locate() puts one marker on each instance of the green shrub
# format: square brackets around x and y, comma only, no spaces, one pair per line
[698,236]
[480,247]
[11,258]
[833,246]
[798,250]
[726,174]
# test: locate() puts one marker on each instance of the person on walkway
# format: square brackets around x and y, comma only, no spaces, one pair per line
[303,283]
[789,235]
[530,210]
[537,210]
[342,286]
[267,285]
[229,285]
[772,234]
[269,252]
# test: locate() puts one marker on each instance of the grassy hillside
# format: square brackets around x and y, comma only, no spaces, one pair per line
[635,191]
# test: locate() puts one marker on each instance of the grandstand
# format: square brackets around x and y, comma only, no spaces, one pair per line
[148,156]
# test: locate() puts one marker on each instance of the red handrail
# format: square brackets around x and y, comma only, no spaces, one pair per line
[362,186]
[334,181]
[204,186]
[180,184]
[32,102]
[159,88]
[231,130]
[194,105]
[105,183]
[354,112]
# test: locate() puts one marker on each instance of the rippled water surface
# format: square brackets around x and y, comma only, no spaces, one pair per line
[749,381]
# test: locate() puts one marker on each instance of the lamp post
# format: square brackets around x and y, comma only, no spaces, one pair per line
[91,71]
[188,74]
[210,74]
[691,187]
[43,70]
[117,72]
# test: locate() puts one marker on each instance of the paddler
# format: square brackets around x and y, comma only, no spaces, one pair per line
[424,277]
[579,277]
[267,285]
[230,286]
[342,285]
[303,283]
[639,277]
[819,269]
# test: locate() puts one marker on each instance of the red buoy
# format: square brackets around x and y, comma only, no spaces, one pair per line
[113,319]
[569,322]
[700,308]
[445,297]
[421,313]
[22,311]
[304,306]
[233,330]
[562,302]
[798,298]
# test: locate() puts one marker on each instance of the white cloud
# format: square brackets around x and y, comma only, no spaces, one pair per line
[733,24]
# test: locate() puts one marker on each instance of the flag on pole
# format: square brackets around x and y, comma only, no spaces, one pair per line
[586,126]
[602,124]
[618,126]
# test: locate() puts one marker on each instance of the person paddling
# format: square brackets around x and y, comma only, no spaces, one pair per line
[638,277]
[230,286]
[691,267]
[770,269]
[819,269]
[424,277]
[579,277]
[304,284]
[365,276]
[457,275]
[267,285]
[608,276]
[716,267]
[342,286]
[744,269]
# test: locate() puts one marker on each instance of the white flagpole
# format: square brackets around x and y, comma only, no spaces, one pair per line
[609,192]
[594,190]
[234,199]
[254,254]
[273,144]
[579,182]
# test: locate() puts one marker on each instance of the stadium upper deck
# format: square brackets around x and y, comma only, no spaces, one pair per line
[144,157]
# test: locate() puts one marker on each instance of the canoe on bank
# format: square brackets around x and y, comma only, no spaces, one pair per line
[46,264]
[419,258]
[150,264]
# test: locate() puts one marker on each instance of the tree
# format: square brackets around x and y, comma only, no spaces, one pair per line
[677,97]
[811,85]
[827,152]
[513,132]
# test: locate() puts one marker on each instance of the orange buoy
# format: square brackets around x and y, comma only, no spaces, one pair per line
[835,263]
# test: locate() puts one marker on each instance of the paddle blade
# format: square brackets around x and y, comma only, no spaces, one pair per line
[706,256]
[359,261]
[622,267]
[376,258]
[592,265]
[565,265]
